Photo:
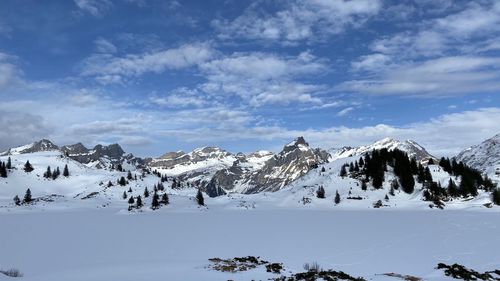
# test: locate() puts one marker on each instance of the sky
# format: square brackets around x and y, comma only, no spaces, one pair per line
[158,76]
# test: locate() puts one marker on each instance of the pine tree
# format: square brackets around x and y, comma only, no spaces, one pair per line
[3,170]
[119,167]
[129,175]
[361,162]
[199,198]
[27,167]
[27,196]
[495,196]
[323,169]
[17,201]
[56,173]
[386,198]
[131,200]
[146,192]
[343,171]
[122,181]
[65,171]
[364,186]
[138,202]
[351,167]
[110,184]
[452,188]
[320,193]
[9,164]
[129,189]
[154,202]
[48,173]
[125,195]
[164,199]
[337,197]
[431,162]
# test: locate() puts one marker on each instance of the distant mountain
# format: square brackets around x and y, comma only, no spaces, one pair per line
[41,145]
[484,157]
[101,157]
[295,160]
[412,148]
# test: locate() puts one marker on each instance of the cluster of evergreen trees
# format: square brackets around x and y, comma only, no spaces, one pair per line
[49,174]
[4,166]
[372,167]
[26,200]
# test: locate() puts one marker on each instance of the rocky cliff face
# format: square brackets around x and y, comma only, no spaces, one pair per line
[484,157]
[294,161]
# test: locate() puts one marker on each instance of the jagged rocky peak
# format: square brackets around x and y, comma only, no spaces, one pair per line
[41,145]
[295,160]
[484,157]
[113,151]
[171,159]
[76,148]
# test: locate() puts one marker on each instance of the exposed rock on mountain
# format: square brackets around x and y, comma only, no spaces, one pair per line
[484,157]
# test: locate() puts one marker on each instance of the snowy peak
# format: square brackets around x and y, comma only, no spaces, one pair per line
[412,148]
[295,160]
[38,146]
[484,157]
[171,159]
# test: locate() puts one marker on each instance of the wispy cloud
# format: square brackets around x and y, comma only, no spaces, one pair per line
[299,20]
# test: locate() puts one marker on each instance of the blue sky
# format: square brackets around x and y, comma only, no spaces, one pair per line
[158,76]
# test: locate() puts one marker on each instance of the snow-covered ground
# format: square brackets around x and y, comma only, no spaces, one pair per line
[109,244]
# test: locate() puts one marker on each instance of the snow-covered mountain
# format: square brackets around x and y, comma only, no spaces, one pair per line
[219,172]
[412,148]
[484,157]
[101,156]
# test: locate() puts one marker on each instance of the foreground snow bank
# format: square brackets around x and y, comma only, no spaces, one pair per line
[110,245]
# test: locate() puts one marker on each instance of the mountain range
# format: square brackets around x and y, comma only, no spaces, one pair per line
[295,172]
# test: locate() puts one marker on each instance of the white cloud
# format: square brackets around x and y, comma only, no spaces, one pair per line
[10,74]
[444,76]
[299,20]
[104,46]
[261,79]
[96,8]
[180,98]
[107,68]
[345,111]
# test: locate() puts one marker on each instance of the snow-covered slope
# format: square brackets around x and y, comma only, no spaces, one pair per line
[484,157]
[412,148]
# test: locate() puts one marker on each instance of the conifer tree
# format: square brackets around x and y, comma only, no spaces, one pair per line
[27,196]
[129,175]
[65,171]
[130,189]
[119,167]
[199,198]
[125,195]
[138,202]
[17,201]
[56,173]
[320,193]
[28,168]
[110,184]
[122,181]
[131,200]
[323,169]
[386,198]
[361,162]
[495,196]
[9,164]
[164,199]
[452,188]
[3,170]
[154,202]
[48,173]
[146,192]
[343,171]
[337,197]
